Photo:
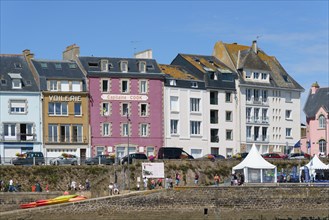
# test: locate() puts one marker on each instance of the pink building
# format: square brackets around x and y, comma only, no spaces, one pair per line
[126,105]
[317,121]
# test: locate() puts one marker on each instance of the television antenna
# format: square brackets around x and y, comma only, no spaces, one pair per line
[134,42]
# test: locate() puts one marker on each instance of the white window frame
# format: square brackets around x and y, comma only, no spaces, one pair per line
[62,105]
[228,96]
[125,109]
[145,112]
[195,127]
[127,84]
[80,109]
[143,86]
[228,116]
[195,104]
[144,130]
[104,65]
[106,108]
[65,86]
[174,103]
[172,82]
[53,85]
[18,107]
[107,83]
[174,126]
[106,129]
[124,66]
[17,83]
[322,121]
[125,129]
[76,86]
[142,66]
[229,134]
[288,114]
[288,132]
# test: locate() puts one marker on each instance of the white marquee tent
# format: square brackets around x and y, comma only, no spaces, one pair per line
[256,169]
[315,164]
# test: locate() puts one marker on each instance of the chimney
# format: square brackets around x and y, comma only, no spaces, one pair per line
[146,54]
[254,46]
[27,53]
[314,88]
[71,52]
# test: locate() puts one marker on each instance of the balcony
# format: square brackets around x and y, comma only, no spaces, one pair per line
[63,139]
[20,137]
[258,101]
[258,138]
[257,120]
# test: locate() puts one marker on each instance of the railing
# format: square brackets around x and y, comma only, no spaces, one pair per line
[257,120]
[259,138]
[23,137]
[259,101]
[63,139]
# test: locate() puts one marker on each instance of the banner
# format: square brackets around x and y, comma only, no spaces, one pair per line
[153,170]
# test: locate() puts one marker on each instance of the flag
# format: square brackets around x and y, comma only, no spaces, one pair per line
[307,174]
[297,145]
[309,144]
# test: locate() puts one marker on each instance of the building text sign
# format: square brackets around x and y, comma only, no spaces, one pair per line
[120,97]
[66,98]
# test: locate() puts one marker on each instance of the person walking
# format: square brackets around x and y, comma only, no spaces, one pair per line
[111,187]
[196,179]
[217,179]
[177,177]
[11,185]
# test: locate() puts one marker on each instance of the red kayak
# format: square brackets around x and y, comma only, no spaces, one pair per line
[28,205]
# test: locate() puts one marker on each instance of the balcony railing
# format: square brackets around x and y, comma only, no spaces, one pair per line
[23,137]
[257,120]
[63,139]
[258,138]
[259,101]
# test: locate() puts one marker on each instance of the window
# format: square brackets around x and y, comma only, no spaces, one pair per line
[104,65]
[213,76]
[124,66]
[106,129]
[18,65]
[288,132]
[77,109]
[76,87]
[248,94]
[57,108]
[194,105]
[3,82]
[10,131]
[144,130]
[142,66]
[264,76]
[173,126]
[52,133]
[256,133]
[264,115]
[214,136]
[248,74]
[17,106]
[105,85]
[125,129]
[143,109]
[99,151]
[256,95]
[65,86]
[228,116]
[194,85]
[288,114]
[149,151]
[172,82]
[323,147]
[213,116]
[65,133]
[125,109]
[143,86]
[264,134]
[248,114]
[72,66]
[93,64]
[288,96]
[248,132]
[322,121]
[28,82]
[124,86]
[256,114]
[195,127]
[264,95]
[17,83]
[256,75]
[58,66]
[77,133]
[214,150]
[213,97]
[44,65]
[228,97]
[106,109]
[53,85]
[229,135]
[174,105]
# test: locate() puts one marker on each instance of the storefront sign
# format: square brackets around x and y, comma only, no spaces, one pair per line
[67,98]
[120,97]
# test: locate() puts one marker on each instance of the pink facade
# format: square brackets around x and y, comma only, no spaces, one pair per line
[145,116]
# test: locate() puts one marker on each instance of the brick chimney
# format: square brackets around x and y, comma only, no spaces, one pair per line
[27,53]
[29,56]
[254,46]
[71,52]
[314,88]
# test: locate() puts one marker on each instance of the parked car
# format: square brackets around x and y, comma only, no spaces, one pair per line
[133,156]
[29,158]
[61,160]
[275,155]
[173,153]
[100,159]
[301,155]
[212,157]
[240,155]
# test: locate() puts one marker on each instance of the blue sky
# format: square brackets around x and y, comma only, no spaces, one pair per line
[295,32]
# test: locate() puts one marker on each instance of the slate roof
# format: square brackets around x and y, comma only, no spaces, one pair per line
[114,70]
[7,66]
[241,56]
[315,101]
[68,70]
[203,66]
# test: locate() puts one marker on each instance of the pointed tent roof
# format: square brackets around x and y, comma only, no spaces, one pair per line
[317,164]
[254,160]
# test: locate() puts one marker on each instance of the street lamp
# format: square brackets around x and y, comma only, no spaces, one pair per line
[128,119]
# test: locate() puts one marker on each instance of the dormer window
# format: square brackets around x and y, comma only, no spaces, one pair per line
[124,66]
[264,76]
[194,85]
[213,76]
[3,82]
[150,67]
[142,66]
[286,78]
[256,75]
[104,65]
[72,65]
[16,80]
[18,65]
[28,82]
[93,64]
[58,66]
[172,82]
[53,85]
[248,75]
[44,65]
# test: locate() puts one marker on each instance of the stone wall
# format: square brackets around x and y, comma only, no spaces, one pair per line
[247,202]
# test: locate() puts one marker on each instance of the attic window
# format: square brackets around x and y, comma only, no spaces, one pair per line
[172,82]
[3,82]
[227,77]
[213,76]
[28,82]
[197,60]
[44,65]
[58,66]
[104,65]
[124,66]
[93,64]
[211,62]
[142,66]
[18,65]
[110,65]
[17,83]
[286,78]
[150,67]
[194,84]
[72,65]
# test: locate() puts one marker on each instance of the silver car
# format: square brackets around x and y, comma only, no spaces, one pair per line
[72,160]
